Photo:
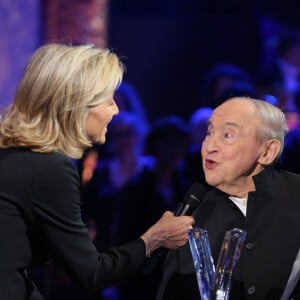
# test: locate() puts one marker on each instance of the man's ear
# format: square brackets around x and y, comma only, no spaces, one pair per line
[270,153]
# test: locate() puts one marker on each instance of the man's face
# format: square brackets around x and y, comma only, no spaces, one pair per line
[231,149]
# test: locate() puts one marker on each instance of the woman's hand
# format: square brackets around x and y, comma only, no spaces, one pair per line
[168,232]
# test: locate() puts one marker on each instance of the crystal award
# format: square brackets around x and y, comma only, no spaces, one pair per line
[215,282]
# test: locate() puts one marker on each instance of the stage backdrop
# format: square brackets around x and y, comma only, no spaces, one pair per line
[20,35]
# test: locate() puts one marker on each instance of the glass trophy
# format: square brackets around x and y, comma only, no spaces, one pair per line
[215,282]
[203,260]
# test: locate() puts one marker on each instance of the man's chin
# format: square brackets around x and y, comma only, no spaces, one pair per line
[212,181]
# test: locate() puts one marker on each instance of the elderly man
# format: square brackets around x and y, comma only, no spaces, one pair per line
[244,140]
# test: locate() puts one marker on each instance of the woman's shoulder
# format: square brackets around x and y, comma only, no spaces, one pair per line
[26,157]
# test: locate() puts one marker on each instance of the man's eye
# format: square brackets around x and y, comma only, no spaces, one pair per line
[227,135]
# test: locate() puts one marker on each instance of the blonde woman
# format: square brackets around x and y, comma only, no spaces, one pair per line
[63,104]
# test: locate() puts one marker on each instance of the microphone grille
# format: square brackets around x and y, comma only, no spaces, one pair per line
[194,194]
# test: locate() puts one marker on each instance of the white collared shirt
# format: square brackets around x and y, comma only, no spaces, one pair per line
[241,203]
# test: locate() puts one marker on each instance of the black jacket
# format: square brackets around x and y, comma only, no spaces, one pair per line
[40,219]
[273,240]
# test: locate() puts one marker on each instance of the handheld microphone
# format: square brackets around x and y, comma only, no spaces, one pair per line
[191,200]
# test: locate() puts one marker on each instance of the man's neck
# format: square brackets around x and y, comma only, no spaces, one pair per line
[238,190]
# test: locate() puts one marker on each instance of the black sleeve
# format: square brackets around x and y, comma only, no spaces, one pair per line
[56,209]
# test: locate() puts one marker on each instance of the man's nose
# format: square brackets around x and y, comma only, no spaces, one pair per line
[210,144]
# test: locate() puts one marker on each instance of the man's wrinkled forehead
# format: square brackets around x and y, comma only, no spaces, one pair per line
[212,124]
[235,109]
[234,113]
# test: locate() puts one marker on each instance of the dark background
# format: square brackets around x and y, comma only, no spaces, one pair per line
[168,46]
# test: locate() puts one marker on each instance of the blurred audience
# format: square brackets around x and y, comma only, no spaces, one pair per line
[238,89]
[218,79]
[197,130]
[198,126]
[281,77]
[290,158]
[127,99]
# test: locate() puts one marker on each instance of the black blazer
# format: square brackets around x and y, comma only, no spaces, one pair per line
[40,219]
[273,240]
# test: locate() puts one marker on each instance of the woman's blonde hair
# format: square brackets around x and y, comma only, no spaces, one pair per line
[59,85]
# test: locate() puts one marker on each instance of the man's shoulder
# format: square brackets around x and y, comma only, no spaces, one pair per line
[289,177]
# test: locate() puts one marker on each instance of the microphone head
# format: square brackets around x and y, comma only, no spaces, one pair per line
[194,195]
